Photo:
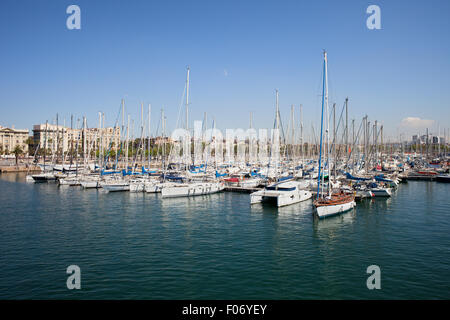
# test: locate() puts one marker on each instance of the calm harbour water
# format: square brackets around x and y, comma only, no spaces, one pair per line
[139,246]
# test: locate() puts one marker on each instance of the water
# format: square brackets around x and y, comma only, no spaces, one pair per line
[139,246]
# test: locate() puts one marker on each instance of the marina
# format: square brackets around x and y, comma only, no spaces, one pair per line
[224,154]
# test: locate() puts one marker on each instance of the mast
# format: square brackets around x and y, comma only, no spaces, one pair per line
[45,141]
[334,145]
[328,126]
[127,144]
[187,99]
[123,129]
[100,140]
[301,132]
[71,140]
[321,121]
[346,126]
[142,135]
[103,140]
[277,127]
[292,132]
[84,141]
[57,138]
[149,135]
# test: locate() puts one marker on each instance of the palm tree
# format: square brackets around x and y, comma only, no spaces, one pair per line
[17,151]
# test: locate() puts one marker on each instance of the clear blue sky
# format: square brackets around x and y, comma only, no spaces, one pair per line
[238,51]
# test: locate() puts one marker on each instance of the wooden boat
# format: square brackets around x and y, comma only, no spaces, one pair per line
[334,204]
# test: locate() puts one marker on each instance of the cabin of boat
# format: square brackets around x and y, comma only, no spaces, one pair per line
[282,193]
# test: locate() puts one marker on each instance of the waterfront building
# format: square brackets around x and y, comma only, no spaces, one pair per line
[62,139]
[10,138]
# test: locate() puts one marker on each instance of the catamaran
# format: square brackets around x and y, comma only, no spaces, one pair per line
[282,193]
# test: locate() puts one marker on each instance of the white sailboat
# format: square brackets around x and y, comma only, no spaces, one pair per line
[192,189]
[333,203]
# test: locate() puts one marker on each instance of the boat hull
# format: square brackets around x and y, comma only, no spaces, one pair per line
[191,190]
[331,210]
[443,178]
[281,199]
[116,187]
[381,192]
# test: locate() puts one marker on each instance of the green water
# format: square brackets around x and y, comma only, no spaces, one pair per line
[139,246]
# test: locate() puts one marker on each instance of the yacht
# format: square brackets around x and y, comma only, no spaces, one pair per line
[282,193]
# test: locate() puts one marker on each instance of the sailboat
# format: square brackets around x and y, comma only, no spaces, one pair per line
[286,191]
[332,203]
[191,188]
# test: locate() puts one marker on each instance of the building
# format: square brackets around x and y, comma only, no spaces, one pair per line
[63,139]
[10,138]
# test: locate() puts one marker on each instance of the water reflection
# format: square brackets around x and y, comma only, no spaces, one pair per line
[325,228]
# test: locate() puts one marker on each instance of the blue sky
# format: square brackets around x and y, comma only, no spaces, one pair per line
[239,52]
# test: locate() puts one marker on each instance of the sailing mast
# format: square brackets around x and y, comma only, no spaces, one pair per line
[321,121]
[328,125]
[301,132]
[149,135]
[187,99]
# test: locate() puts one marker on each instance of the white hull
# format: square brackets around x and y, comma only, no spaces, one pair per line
[116,187]
[90,184]
[284,195]
[361,194]
[69,182]
[156,186]
[283,198]
[137,186]
[326,211]
[250,183]
[189,190]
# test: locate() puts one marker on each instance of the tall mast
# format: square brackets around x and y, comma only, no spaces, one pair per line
[321,121]
[142,147]
[57,138]
[301,131]
[149,135]
[122,132]
[163,148]
[334,140]
[104,140]
[127,144]
[346,126]
[187,99]
[277,124]
[84,141]
[328,121]
[292,132]
[71,140]
[100,139]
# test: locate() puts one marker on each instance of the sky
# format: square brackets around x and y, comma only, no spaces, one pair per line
[239,52]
